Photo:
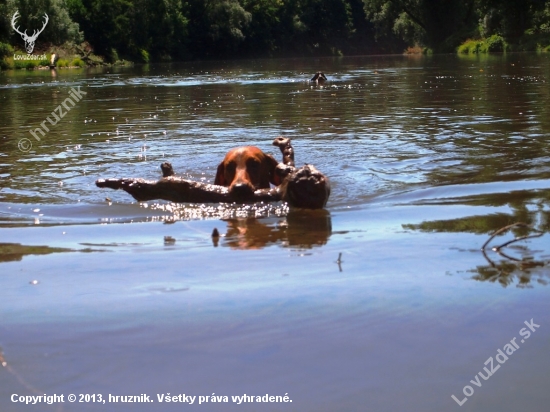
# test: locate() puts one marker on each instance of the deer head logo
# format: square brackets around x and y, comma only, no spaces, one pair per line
[29,40]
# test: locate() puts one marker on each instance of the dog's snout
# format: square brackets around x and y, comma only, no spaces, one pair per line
[241,190]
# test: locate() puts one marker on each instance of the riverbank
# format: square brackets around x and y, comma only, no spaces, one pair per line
[67,56]
[497,44]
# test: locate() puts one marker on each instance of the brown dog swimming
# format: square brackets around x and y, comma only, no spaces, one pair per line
[245,170]
[244,176]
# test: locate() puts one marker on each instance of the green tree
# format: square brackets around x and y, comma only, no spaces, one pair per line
[328,24]
[217,27]
[226,19]
[362,40]
[262,34]
[509,18]
[4,22]
[106,24]
[541,21]
[134,29]
[438,24]
[159,28]
[60,27]
[307,27]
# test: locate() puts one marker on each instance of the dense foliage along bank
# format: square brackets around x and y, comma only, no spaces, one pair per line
[144,30]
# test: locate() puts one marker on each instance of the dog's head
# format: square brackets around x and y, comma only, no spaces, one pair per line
[246,169]
[319,77]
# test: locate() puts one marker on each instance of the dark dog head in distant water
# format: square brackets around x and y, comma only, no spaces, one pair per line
[319,78]
[246,169]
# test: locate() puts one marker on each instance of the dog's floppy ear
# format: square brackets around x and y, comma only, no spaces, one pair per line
[274,178]
[220,175]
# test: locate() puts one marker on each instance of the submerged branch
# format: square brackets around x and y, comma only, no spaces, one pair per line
[517,239]
[304,187]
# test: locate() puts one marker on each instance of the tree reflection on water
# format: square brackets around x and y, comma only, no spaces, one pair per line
[508,250]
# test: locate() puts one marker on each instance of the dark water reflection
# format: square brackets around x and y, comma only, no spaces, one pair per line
[300,229]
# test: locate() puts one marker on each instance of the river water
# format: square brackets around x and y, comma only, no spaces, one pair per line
[383,301]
